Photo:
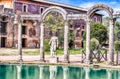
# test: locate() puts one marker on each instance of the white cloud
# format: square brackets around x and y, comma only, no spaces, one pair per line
[62,1]
[112,3]
[115,5]
[87,5]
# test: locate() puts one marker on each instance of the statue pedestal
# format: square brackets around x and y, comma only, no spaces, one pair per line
[53,59]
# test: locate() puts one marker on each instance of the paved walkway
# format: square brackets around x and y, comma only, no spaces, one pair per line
[74,61]
[31,58]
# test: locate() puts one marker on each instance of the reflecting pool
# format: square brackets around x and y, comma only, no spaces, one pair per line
[55,72]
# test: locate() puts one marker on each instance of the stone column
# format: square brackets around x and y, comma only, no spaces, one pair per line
[18,71]
[111,43]
[66,53]
[87,60]
[20,40]
[65,72]
[0,34]
[41,42]
[13,35]
[41,68]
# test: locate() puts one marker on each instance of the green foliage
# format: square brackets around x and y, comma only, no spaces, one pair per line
[99,32]
[54,21]
[117,31]
[71,37]
[84,35]
[94,44]
[117,45]
[46,45]
[61,39]
[106,21]
[84,44]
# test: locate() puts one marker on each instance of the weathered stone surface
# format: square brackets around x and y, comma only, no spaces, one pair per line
[53,59]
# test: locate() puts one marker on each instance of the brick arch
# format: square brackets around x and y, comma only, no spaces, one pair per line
[98,7]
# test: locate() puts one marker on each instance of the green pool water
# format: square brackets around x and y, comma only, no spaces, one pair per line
[55,72]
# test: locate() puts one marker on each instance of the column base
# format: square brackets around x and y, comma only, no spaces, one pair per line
[88,62]
[42,60]
[53,59]
[66,59]
[20,60]
[111,63]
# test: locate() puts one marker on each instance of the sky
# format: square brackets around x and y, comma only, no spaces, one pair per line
[115,4]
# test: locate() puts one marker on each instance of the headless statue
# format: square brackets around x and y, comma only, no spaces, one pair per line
[53,45]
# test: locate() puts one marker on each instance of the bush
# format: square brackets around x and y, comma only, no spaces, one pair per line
[99,32]
[46,45]
[71,38]
[117,45]
[94,44]
[60,39]
[84,44]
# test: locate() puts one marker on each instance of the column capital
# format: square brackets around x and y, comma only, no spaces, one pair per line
[66,21]
[88,20]
[113,19]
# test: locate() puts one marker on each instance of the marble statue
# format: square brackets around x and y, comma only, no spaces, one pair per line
[53,45]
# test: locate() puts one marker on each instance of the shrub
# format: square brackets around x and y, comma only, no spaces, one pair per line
[46,45]
[99,32]
[84,44]
[60,39]
[117,45]
[94,44]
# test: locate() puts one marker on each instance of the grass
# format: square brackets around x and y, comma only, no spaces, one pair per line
[59,52]
[37,52]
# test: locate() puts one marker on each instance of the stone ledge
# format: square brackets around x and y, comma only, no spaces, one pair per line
[53,60]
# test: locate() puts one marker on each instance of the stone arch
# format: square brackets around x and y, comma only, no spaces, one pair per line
[64,14]
[56,9]
[98,7]
[90,13]
[115,17]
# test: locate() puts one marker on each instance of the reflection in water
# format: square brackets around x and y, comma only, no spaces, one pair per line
[41,71]
[87,72]
[18,71]
[110,74]
[55,72]
[65,72]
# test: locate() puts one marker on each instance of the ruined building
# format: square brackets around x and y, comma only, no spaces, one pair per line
[31,28]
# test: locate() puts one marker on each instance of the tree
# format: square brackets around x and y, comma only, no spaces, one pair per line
[71,38]
[54,21]
[99,32]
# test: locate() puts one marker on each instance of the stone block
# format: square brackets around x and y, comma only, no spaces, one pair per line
[53,59]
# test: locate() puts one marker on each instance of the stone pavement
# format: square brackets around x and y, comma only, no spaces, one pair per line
[75,60]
